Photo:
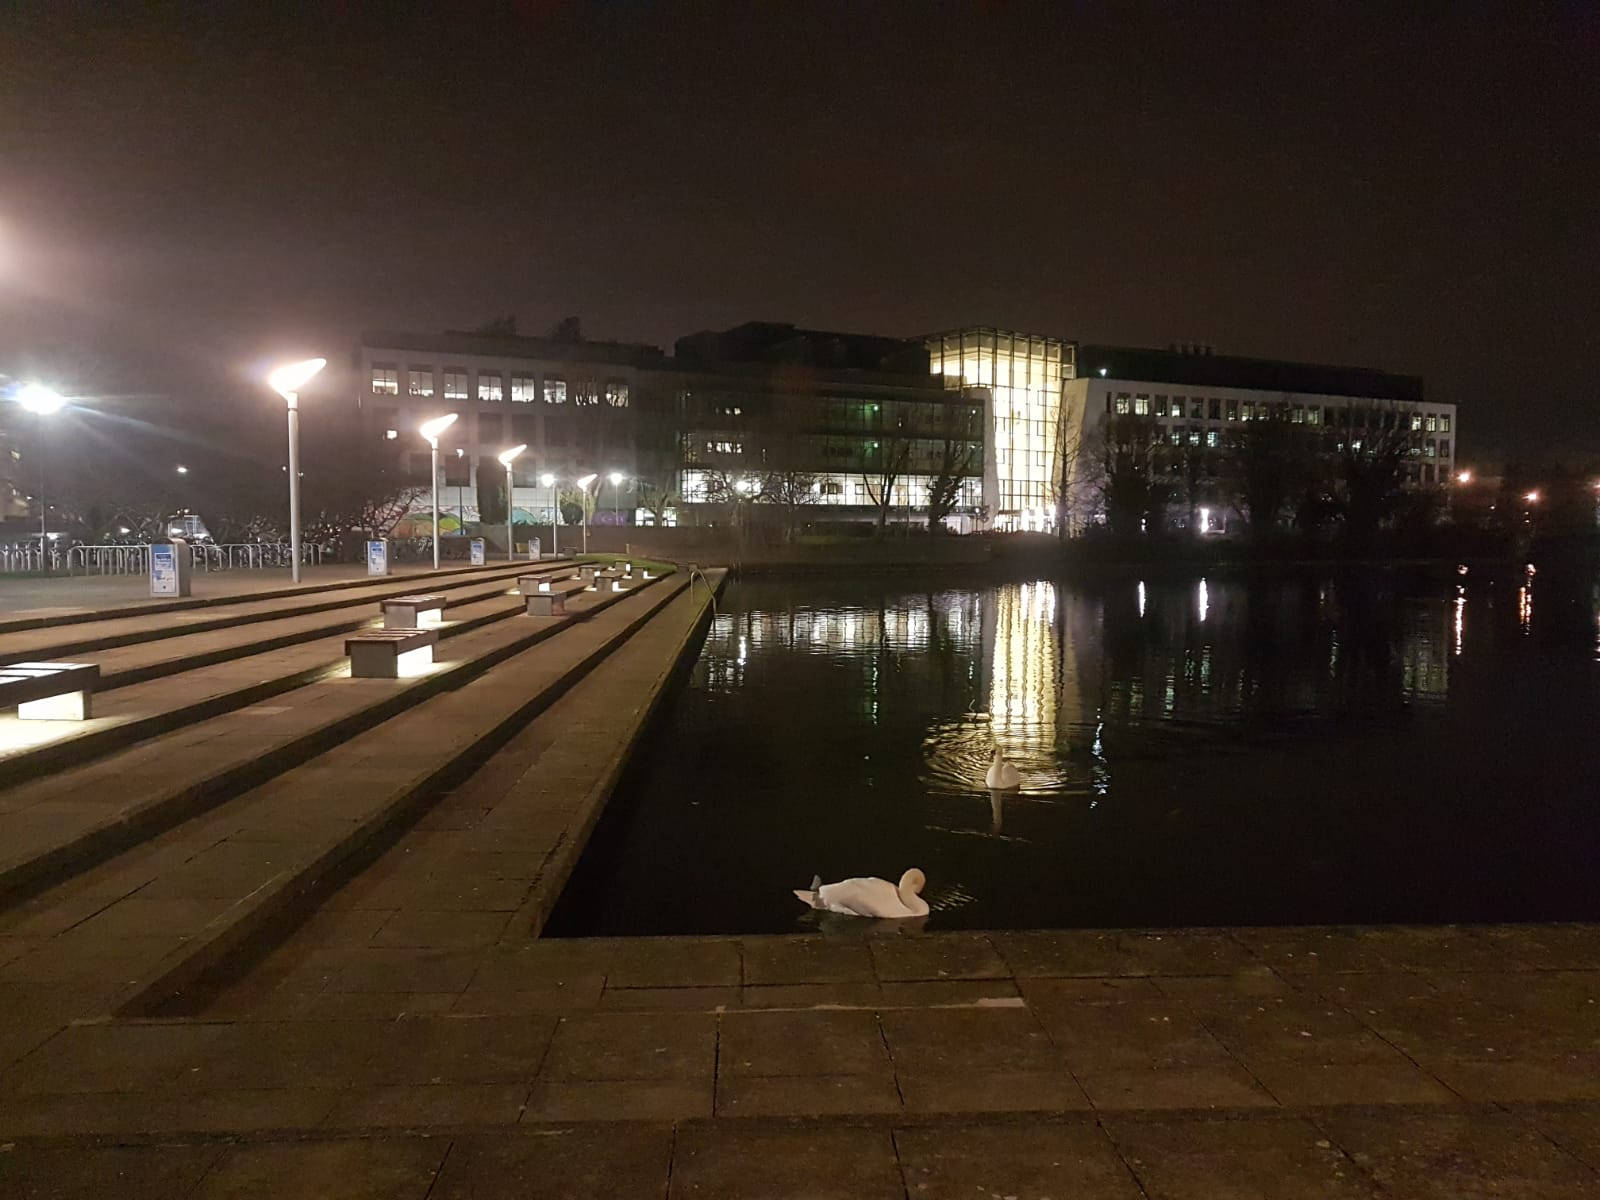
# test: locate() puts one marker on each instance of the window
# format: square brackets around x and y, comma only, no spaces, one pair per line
[1444,447]
[1249,410]
[724,447]
[617,394]
[1416,422]
[422,381]
[489,386]
[1141,406]
[1431,449]
[1194,437]
[1233,410]
[389,435]
[1313,415]
[555,391]
[523,389]
[586,392]
[1176,408]
[1175,436]
[1444,422]
[1431,423]
[491,427]
[1122,404]
[1197,409]
[385,381]
[1160,408]
[455,383]
[831,487]
[1216,409]
[1211,437]
[1427,473]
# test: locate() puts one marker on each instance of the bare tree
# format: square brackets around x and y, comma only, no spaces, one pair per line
[889,458]
[1266,457]
[1120,463]
[1374,444]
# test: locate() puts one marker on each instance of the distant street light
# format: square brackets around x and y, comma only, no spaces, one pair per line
[182,470]
[431,430]
[548,480]
[507,457]
[616,478]
[583,486]
[1532,497]
[287,381]
[41,401]
[1463,476]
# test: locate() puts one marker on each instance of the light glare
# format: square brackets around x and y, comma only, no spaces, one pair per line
[37,398]
[288,379]
[507,457]
[432,429]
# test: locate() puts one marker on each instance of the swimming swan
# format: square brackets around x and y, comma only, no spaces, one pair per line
[1002,776]
[869,897]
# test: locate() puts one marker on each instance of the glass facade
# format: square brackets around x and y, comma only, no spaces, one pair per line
[1023,373]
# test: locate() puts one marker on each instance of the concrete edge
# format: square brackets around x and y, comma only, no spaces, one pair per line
[22,878]
[554,873]
[276,901]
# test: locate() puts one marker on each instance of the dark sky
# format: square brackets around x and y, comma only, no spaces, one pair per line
[188,191]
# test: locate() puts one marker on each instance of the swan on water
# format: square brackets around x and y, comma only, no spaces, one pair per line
[869,897]
[1002,776]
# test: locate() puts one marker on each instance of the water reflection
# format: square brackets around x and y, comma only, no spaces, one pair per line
[845,727]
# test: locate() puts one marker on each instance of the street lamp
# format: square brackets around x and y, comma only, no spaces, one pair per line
[1463,476]
[1532,497]
[548,480]
[583,486]
[616,478]
[431,430]
[182,470]
[41,401]
[507,457]
[287,381]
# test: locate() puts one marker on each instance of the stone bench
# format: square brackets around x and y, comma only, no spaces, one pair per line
[46,691]
[412,612]
[390,653]
[529,584]
[553,603]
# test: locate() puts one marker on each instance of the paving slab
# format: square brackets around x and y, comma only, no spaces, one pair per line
[572,1163]
[1025,1160]
[350,1168]
[731,1161]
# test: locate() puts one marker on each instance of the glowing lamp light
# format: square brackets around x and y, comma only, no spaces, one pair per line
[507,457]
[37,398]
[616,478]
[1205,520]
[1532,497]
[584,481]
[1463,476]
[182,470]
[432,429]
[413,662]
[287,380]
[547,480]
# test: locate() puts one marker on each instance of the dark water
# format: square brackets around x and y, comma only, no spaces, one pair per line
[1364,747]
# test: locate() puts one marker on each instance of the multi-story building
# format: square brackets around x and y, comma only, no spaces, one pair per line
[834,420]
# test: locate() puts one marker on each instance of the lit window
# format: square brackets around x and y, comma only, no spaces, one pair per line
[1444,447]
[455,385]
[617,394]
[555,391]
[1249,410]
[832,487]
[422,381]
[1176,410]
[1141,406]
[1444,422]
[1194,437]
[1211,437]
[586,393]
[1122,403]
[1431,450]
[1416,422]
[385,381]
[1233,410]
[389,435]
[489,386]
[1431,423]
[523,389]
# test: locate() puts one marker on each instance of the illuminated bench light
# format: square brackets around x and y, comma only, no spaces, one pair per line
[391,653]
[49,691]
[413,612]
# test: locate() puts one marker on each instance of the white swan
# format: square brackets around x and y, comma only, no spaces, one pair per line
[1002,776]
[869,897]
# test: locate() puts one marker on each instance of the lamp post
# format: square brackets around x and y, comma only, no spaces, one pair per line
[616,478]
[548,480]
[431,430]
[41,401]
[507,457]
[583,486]
[287,381]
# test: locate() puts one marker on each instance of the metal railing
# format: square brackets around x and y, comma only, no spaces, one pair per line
[134,559]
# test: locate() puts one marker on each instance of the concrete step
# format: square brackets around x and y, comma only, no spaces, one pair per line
[62,824]
[226,670]
[50,642]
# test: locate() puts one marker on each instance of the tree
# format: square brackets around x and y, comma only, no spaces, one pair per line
[352,485]
[1120,462]
[568,330]
[1266,457]
[958,455]
[657,494]
[889,457]
[1373,447]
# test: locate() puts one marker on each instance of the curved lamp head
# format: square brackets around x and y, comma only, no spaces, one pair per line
[432,429]
[37,398]
[616,478]
[583,481]
[288,379]
[507,457]
[547,480]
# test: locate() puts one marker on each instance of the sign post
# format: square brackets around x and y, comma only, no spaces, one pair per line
[477,552]
[169,568]
[533,548]
[378,557]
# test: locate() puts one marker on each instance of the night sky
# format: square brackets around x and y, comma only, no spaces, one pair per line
[188,192]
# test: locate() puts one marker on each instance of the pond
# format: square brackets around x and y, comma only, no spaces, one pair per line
[1264,749]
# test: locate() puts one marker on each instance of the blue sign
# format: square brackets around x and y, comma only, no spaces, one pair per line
[163,570]
[378,558]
